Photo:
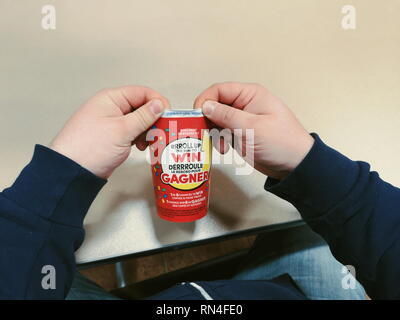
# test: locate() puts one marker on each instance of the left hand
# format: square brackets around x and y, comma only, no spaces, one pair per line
[100,134]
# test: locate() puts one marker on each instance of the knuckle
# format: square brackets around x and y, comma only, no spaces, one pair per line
[132,86]
[224,85]
[213,87]
[142,119]
[254,84]
[233,85]
[103,92]
[228,115]
[122,126]
[257,86]
[144,88]
[198,101]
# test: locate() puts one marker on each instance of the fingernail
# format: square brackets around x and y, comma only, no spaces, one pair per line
[156,106]
[208,107]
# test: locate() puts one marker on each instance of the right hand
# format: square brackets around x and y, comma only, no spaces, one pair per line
[280,141]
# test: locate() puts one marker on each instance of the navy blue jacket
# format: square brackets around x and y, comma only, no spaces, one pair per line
[357,213]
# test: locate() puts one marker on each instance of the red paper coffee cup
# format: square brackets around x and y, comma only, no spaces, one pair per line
[181,162]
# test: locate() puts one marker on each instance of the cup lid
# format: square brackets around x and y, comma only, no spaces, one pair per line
[182,113]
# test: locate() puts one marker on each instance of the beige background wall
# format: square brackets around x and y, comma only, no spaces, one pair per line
[345,85]
[342,84]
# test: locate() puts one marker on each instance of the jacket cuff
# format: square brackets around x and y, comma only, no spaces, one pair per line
[55,188]
[319,182]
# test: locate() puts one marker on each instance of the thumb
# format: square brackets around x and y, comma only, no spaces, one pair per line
[142,118]
[226,116]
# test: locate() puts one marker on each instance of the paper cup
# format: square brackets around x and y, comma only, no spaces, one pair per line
[181,161]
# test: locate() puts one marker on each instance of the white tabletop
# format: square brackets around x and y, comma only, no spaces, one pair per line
[123,220]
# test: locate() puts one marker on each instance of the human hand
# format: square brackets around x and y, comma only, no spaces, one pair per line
[100,134]
[280,141]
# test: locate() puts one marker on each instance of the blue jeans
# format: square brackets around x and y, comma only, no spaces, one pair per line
[301,253]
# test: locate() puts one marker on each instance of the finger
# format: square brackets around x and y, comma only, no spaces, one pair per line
[222,146]
[217,144]
[128,98]
[141,142]
[142,118]
[221,142]
[141,145]
[226,116]
[235,94]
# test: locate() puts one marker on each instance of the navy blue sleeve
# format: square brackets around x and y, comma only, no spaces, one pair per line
[41,224]
[355,211]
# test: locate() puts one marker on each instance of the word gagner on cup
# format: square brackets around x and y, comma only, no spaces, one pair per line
[180,150]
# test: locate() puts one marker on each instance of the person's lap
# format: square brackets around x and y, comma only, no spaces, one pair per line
[300,252]
[308,260]
[84,289]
